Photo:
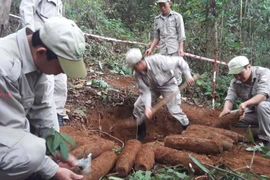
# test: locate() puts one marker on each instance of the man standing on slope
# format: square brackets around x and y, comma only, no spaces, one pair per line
[169,31]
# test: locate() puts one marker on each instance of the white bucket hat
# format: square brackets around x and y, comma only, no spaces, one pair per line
[133,56]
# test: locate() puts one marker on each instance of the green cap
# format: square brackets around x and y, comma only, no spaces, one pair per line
[237,64]
[63,37]
[163,1]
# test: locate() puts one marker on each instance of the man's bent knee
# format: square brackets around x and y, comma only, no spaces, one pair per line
[24,158]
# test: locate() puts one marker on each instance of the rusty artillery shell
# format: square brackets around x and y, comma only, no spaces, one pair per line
[94,147]
[127,157]
[101,165]
[233,135]
[227,121]
[145,159]
[169,156]
[193,144]
[226,142]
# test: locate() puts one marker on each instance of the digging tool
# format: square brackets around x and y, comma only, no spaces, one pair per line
[157,106]
[141,131]
[237,110]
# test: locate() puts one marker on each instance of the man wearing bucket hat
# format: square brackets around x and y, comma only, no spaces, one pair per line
[154,76]
[26,58]
[251,84]
[169,32]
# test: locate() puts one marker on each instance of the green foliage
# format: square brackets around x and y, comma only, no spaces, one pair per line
[141,175]
[91,17]
[58,142]
[205,82]
[105,88]
[80,112]
[162,174]
[199,164]
[251,136]
[265,151]
[225,172]
[98,83]
[118,68]
[170,173]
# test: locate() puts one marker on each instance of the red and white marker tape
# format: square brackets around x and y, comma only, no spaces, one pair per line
[113,39]
[206,59]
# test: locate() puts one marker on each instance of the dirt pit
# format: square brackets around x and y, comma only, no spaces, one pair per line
[112,120]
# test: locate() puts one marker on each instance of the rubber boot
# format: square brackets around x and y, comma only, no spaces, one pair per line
[60,120]
[141,131]
[185,127]
[266,144]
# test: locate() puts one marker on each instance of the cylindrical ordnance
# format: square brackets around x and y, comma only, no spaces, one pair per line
[145,159]
[193,144]
[96,148]
[228,120]
[169,156]
[233,135]
[226,142]
[127,157]
[101,165]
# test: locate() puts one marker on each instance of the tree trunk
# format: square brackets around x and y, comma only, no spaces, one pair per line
[4,16]
[240,20]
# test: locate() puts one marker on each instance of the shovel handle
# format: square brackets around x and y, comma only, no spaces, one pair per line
[157,106]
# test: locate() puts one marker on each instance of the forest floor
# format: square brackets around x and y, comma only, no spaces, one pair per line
[108,109]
